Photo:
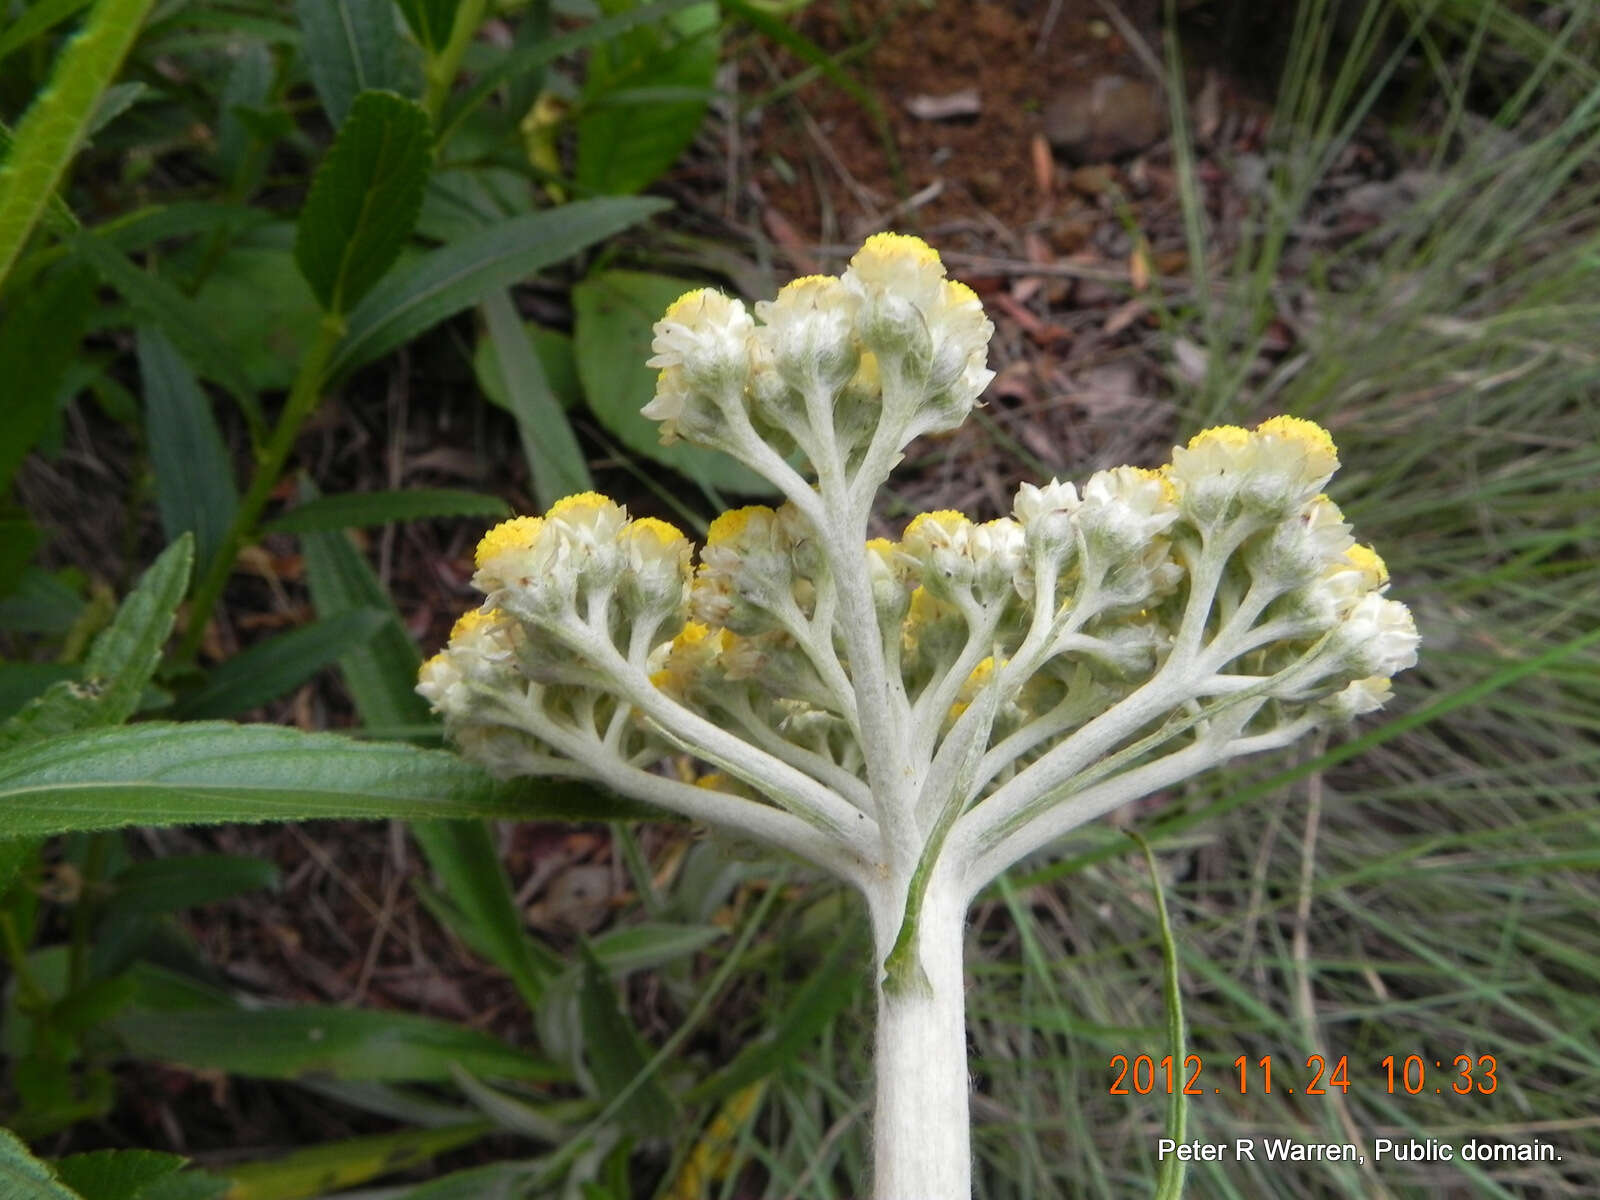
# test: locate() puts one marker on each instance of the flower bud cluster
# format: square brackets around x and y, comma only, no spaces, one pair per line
[1221,598]
[887,351]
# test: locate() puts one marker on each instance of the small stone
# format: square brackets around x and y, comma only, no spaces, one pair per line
[1092,181]
[1105,118]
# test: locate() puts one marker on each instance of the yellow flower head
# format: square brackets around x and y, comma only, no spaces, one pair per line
[731,525]
[516,534]
[473,620]
[1223,437]
[1365,559]
[895,248]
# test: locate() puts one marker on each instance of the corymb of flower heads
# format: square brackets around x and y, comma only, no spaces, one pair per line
[913,715]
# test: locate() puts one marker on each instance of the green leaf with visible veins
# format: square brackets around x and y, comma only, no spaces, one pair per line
[195,490]
[211,772]
[341,1043]
[121,661]
[364,199]
[24,1177]
[51,131]
[442,283]
[644,97]
[350,46]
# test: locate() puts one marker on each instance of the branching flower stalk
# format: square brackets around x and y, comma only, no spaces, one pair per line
[912,716]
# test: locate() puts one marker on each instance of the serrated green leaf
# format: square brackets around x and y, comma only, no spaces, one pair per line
[202,773]
[121,661]
[364,199]
[24,1177]
[350,46]
[51,131]
[381,673]
[156,300]
[462,854]
[616,1054]
[21,682]
[193,473]
[338,1043]
[162,885]
[451,278]
[623,147]
[350,510]
[38,341]
[430,20]
[333,1166]
[615,313]
[277,666]
[555,459]
[116,1174]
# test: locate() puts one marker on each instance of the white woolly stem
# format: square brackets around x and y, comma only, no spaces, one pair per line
[921,1137]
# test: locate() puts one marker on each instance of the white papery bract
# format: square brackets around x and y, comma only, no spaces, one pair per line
[916,714]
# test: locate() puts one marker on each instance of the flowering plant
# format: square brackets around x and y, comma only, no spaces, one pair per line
[913,716]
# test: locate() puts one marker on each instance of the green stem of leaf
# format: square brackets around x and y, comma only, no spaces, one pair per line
[96,855]
[442,67]
[302,402]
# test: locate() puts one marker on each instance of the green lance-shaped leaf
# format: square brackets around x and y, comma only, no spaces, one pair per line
[350,510]
[554,456]
[35,19]
[278,665]
[334,1166]
[209,772]
[121,661]
[364,199]
[616,1055]
[336,1043]
[431,21]
[194,477]
[381,671]
[38,341]
[462,854]
[350,46]
[161,885]
[53,128]
[440,284]
[624,146]
[160,303]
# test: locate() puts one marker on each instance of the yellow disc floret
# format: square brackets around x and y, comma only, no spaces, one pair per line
[1365,559]
[662,535]
[728,526]
[516,534]
[471,621]
[580,504]
[897,245]
[1230,437]
[680,308]
[1309,434]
